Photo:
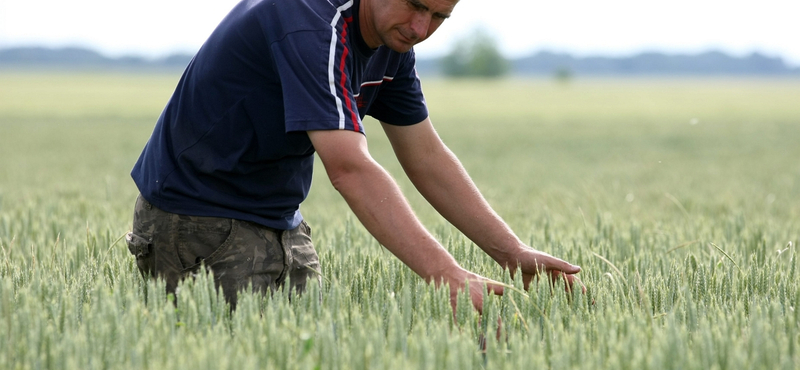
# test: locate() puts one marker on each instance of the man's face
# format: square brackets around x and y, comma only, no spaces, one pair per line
[400,24]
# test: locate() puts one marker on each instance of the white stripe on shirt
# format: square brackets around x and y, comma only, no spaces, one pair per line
[332,62]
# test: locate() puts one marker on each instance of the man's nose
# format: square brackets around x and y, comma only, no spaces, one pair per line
[420,24]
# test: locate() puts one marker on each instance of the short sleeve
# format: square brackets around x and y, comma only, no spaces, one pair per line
[400,101]
[313,69]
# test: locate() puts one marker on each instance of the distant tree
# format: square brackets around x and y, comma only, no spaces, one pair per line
[475,55]
[563,75]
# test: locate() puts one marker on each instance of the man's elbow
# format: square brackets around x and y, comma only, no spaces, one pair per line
[348,175]
[339,180]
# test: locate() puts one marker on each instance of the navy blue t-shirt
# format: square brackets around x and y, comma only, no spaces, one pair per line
[231,142]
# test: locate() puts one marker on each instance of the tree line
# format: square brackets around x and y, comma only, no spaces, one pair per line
[476,55]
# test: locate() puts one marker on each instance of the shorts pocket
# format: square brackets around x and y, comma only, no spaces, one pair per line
[141,247]
[205,241]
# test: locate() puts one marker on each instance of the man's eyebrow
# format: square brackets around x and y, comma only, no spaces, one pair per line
[442,15]
[419,5]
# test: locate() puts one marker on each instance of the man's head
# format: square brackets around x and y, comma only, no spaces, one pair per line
[400,24]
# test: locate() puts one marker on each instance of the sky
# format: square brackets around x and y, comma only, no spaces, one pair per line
[155,28]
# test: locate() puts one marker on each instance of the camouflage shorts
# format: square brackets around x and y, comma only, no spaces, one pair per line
[239,253]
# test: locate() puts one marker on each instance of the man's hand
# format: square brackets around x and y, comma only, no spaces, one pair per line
[477,285]
[532,263]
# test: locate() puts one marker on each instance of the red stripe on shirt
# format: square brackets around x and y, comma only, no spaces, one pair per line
[343,81]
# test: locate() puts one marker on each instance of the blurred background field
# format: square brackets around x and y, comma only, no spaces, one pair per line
[658,176]
[601,145]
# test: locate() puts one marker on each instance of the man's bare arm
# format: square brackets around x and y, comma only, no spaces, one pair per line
[376,200]
[442,180]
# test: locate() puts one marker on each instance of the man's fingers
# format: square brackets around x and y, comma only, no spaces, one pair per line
[570,281]
[535,261]
[554,263]
[477,286]
[526,280]
[477,294]
[494,288]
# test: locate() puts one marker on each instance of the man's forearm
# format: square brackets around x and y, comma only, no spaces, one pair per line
[376,200]
[445,184]
[442,180]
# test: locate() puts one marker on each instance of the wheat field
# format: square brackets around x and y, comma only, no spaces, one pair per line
[680,198]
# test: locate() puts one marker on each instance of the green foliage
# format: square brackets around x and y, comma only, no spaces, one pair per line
[646,174]
[563,75]
[476,55]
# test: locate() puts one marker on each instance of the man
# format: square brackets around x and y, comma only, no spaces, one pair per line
[230,158]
